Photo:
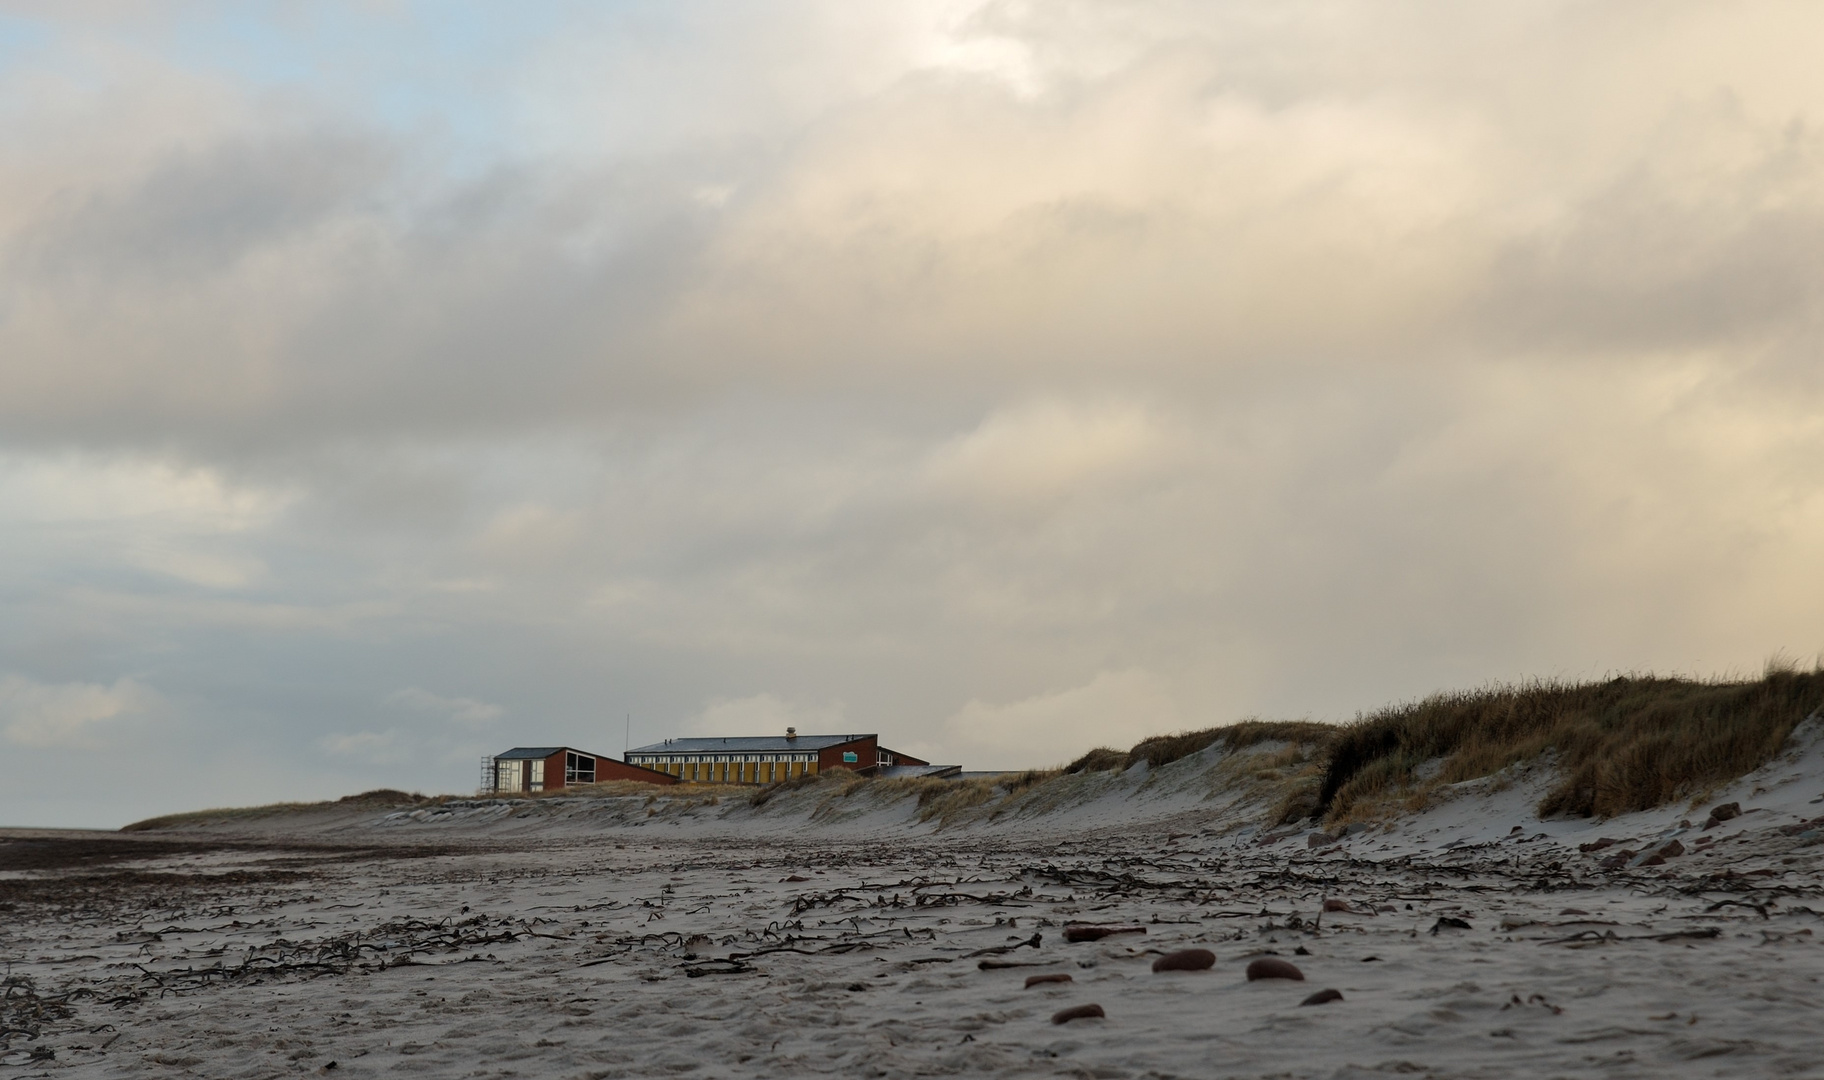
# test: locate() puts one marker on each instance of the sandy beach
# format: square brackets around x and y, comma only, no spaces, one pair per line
[628,937]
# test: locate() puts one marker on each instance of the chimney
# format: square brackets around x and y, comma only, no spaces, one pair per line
[791,733]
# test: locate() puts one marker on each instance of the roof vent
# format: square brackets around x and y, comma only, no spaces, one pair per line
[791,733]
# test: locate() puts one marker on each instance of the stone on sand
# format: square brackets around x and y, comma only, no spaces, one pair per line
[1323,997]
[1272,967]
[1096,932]
[1040,980]
[1077,1012]
[1186,960]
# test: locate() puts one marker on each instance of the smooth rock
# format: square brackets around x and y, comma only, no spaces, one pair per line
[1272,967]
[1077,1012]
[1672,850]
[1040,980]
[1337,905]
[1186,960]
[1726,811]
[1323,997]
[1597,844]
[1096,932]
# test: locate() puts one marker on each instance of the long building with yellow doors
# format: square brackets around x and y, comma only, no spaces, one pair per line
[767,759]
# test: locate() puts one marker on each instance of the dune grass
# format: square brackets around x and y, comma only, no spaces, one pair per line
[379,797]
[1164,749]
[1291,777]
[1626,744]
[1630,743]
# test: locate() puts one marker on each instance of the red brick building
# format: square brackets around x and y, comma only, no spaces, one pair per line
[767,759]
[553,768]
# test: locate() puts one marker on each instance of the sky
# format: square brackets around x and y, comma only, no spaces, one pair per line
[387,383]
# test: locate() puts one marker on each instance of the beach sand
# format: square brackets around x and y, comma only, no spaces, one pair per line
[551,940]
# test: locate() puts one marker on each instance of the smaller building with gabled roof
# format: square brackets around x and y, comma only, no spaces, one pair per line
[553,768]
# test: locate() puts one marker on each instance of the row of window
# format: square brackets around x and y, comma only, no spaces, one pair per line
[739,772]
[692,759]
[530,775]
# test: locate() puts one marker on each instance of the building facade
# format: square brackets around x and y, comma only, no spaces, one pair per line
[766,759]
[553,768]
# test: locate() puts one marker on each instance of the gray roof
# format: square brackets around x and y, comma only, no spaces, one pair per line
[535,753]
[747,744]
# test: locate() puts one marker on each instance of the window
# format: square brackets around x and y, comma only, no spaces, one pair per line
[509,776]
[538,775]
[578,768]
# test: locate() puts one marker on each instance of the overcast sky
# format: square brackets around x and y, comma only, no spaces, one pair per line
[387,383]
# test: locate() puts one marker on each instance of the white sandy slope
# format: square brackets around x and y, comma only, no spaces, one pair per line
[720,941]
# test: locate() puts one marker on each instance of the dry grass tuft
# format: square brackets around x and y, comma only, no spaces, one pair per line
[1165,749]
[382,797]
[762,795]
[1631,743]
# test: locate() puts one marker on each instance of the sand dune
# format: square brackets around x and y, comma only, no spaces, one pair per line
[833,934]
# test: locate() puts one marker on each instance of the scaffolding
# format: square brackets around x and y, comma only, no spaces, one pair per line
[489,778]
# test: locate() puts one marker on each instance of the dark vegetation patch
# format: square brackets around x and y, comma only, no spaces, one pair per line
[36,853]
[1165,749]
[64,852]
[81,873]
[1630,743]
[385,797]
[377,798]
[135,888]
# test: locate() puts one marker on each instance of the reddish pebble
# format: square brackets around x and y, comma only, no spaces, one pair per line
[1077,1012]
[1323,997]
[1337,905]
[1186,960]
[1271,967]
[1055,977]
[1672,850]
[1089,932]
[797,877]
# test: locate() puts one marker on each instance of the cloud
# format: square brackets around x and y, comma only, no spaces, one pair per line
[1040,451]
[1002,377]
[766,714]
[466,712]
[72,715]
[368,747]
[1116,708]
